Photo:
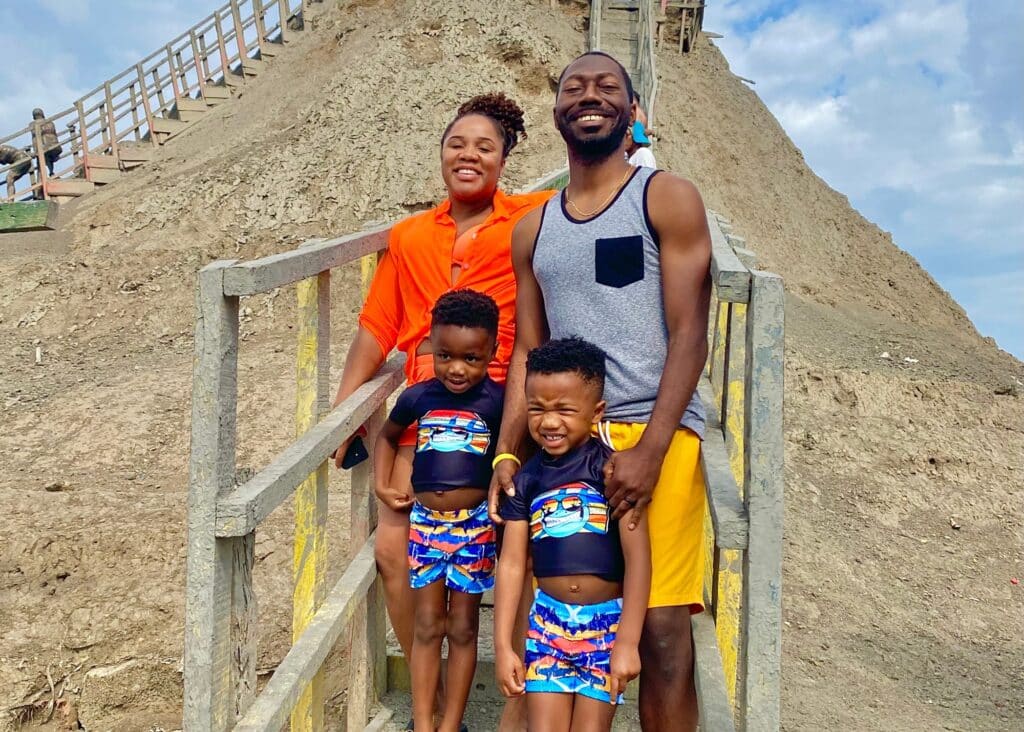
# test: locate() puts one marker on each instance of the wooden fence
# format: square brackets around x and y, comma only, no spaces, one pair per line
[116,125]
[739,639]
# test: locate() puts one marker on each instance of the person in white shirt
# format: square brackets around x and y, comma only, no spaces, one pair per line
[638,147]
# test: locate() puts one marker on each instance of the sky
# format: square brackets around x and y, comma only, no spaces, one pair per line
[914,109]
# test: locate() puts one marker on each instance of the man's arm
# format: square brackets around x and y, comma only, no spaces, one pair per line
[531,331]
[680,222]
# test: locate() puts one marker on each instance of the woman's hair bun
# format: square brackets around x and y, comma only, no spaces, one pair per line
[505,112]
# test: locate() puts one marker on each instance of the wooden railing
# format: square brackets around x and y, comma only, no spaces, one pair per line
[220,609]
[647,76]
[111,126]
[738,640]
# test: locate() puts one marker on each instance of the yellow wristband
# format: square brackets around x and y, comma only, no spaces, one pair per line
[505,456]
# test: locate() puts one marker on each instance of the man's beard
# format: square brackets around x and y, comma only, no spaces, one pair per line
[595,149]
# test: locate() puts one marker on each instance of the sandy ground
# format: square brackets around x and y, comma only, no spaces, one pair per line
[904,478]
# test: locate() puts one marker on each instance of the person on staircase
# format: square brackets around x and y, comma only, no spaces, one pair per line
[638,143]
[452,541]
[622,258]
[46,132]
[20,163]
[464,242]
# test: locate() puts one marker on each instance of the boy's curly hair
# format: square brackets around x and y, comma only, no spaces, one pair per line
[468,309]
[569,355]
[499,109]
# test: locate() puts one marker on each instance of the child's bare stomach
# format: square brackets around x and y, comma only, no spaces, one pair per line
[580,589]
[453,499]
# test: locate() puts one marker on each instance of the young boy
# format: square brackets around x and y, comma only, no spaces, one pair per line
[593,575]
[451,537]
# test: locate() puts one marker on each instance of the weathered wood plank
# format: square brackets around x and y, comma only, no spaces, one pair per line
[712,701]
[277,270]
[244,507]
[210,702]
[728,514]
[731,278]
[309,571]
[594,33]
[759,699]
[28,216]
[271,709]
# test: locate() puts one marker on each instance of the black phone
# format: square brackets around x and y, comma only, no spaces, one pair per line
[355,454]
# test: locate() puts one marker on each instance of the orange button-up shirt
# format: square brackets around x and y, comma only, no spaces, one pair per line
[417,269]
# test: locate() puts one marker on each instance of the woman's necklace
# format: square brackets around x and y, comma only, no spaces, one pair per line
[604,203]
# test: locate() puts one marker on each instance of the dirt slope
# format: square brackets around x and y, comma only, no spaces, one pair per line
[894,618]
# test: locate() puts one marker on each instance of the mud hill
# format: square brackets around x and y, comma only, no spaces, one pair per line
[904,477]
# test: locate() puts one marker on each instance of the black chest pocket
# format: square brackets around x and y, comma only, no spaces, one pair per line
[619,260]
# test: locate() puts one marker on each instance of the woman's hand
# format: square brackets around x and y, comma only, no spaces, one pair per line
[510,672]
[625,666]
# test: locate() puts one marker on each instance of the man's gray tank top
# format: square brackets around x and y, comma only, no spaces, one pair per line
[601,281]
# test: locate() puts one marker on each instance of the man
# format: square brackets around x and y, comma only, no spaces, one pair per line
[19,162]
[622,260]
[47,132]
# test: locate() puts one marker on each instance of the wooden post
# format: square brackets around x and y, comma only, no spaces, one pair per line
[40,155]
[594,34]
[158,85]
[133,101]
[204,55]
[243,51]
[111,120]
[220,671]
[145,104]
[764,478]
[729,587]
[174,73]
[83,136]
[310,549]
[283,12]
[261,27]
[199,63]
[225,63]
[367,652]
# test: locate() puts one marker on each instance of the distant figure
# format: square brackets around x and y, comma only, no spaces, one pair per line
[48,137]
[638,144]
[20,163]
[638,147]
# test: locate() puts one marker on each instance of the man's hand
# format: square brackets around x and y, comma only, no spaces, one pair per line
[394,499]
[501,482]
[625,666]
[629,480]
[511,674]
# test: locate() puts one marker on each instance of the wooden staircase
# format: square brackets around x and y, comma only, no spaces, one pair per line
[619,35]
[121,124]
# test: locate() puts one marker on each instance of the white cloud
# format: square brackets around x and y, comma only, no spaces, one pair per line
[913,109]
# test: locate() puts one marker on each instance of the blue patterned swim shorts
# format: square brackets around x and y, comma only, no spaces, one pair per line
[457,546]
[569,647]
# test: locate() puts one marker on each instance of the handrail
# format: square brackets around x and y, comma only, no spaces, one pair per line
[123,108]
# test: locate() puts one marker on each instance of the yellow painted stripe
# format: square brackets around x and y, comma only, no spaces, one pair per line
[310,547]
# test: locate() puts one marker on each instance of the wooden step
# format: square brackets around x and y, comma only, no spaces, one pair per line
[28,216]
[233,80]
[269,50]
[215,94]
[165,127]
[132,155]
[106,162]
[252,66]
[191,105]
[103,176]
[68,188]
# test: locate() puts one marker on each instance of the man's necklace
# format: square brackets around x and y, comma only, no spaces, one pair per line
[603,203]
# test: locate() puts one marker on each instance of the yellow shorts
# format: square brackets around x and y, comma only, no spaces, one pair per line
[675,518]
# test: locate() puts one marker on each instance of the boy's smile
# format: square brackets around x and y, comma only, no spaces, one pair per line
[561,408]
[461,355]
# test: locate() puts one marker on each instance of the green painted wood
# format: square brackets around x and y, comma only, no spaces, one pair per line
[28,216]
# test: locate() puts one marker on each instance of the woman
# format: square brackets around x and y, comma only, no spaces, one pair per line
[462,243]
